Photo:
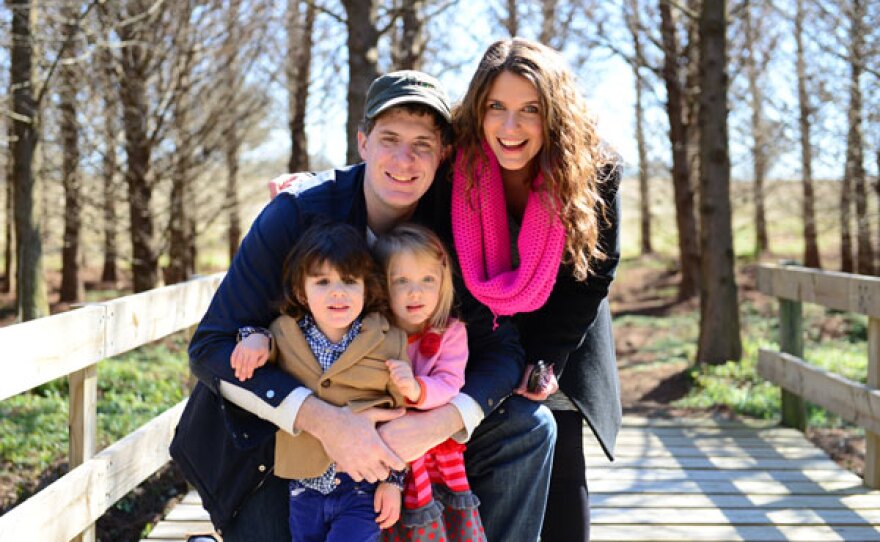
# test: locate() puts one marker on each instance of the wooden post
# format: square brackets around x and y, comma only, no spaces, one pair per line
[791,341]
[83,425]
[872,440]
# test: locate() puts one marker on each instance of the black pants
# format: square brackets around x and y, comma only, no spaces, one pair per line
[567,518]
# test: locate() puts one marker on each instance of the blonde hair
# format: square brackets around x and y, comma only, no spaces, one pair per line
[571,158]
[419,241]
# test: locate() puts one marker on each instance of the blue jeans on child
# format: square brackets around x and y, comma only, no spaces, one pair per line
[344,515]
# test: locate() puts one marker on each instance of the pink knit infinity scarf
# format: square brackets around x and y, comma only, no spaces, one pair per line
[482,241]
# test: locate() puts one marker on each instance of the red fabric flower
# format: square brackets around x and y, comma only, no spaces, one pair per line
[430,344]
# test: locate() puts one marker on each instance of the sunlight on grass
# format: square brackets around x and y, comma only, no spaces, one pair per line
[737,385]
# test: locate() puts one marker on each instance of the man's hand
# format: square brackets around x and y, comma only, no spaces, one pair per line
[350,439]
[419,431]
[386,503]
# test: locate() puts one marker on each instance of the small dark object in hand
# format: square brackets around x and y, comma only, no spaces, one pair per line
[539,377]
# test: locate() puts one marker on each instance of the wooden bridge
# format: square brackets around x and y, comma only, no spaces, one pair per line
[674,479]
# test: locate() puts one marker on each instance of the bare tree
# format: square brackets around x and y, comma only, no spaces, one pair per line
[32,301]
[363,40]
[180,266]
[811,244]
[678,137]
[6,285]
[756,60]
[511,22]
[854,174]
[135,58]
[71,281]
[408,45]
[300,25]
[634,24]
[549,24]
[108,81]
[719,339]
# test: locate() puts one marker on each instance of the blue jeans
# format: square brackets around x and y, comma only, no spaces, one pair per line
[263,515]
[345,515]
[508,462]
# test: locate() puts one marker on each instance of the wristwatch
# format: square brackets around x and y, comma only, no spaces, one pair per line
[250,330]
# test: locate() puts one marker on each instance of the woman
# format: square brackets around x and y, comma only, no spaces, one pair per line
[544,249]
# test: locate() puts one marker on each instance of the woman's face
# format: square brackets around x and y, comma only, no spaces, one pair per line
[514,123]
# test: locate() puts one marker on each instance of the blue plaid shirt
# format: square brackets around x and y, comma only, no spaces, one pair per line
[327,352]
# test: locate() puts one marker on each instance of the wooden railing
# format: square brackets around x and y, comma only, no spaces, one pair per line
[853,401]
[72,344]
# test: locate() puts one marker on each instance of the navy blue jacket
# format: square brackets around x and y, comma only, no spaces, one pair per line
[226,452]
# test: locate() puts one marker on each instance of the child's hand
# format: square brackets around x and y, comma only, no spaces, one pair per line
[403,378]
[386,503]
[250,353]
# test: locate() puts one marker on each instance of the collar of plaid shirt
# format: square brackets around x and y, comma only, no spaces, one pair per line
[327,352]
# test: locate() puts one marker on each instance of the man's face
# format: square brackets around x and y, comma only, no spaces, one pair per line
[402,154]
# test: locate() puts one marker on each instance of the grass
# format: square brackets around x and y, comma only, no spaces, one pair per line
[834,341]
[132,389]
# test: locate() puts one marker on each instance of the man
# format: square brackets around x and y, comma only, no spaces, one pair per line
[225,440]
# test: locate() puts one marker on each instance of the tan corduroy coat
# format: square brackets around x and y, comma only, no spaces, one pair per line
[359,379]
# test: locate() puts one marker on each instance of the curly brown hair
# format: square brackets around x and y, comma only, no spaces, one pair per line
[343,248]
[572,157]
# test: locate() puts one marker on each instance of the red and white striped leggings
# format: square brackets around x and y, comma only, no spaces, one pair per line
[442,464]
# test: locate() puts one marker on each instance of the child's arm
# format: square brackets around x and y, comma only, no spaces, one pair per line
[386,502]
[251,352]
[445,376]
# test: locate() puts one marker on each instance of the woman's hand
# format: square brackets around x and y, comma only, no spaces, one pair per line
[283,182]
[538,382]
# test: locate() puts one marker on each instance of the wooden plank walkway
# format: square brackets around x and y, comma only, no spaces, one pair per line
[695,480]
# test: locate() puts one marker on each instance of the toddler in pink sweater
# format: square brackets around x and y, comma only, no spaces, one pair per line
[420,292]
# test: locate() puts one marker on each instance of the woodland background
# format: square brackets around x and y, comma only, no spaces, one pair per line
[133,137]
[127,121]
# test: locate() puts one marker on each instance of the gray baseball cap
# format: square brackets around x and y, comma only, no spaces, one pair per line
[404,87]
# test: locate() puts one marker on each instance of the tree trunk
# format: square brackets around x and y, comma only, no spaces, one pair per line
[847,264]
[32,300]
[634,25]
[179,265]
[692,93]
[363,39]
[133,96]
[719,313]
[855,166]
[6,285]
[549,28]
[759,134]
[678,139]
[232,205]
[811,244]
[299,54]
[877,189]
[511,23]
[109,273]
[409,48]
[71,283]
